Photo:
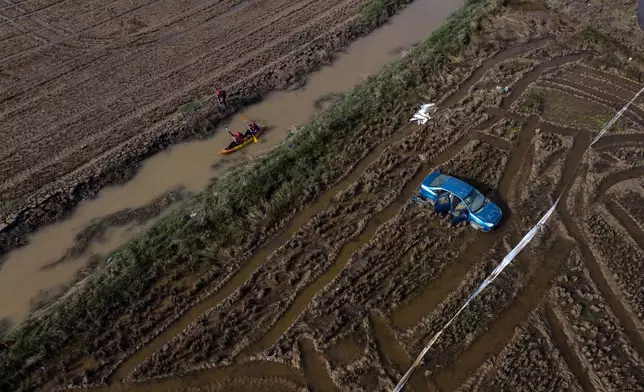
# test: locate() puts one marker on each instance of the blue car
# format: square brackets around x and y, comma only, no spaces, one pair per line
[459,199]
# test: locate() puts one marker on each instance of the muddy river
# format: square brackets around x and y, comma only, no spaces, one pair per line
[193,165]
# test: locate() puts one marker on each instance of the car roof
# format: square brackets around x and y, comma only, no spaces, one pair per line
[451,185]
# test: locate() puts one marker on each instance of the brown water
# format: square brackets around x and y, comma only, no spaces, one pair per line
[190,164]
[315,369]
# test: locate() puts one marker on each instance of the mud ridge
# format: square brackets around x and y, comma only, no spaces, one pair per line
[636,233]
[139,216]
[571,359]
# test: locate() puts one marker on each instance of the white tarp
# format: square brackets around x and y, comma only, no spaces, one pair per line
[509,257]
[424,113]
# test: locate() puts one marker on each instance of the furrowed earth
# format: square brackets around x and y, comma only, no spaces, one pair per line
[326,276]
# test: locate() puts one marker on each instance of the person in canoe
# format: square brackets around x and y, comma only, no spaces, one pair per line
[253,128]
[239,138]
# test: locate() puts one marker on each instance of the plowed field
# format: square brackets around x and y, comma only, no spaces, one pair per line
[88,88]
[343,293]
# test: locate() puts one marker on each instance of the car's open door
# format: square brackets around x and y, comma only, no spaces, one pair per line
[458,210]
[443,203]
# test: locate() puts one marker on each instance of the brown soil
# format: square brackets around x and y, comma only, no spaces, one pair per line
[346,295]
[100,88]
[530,362]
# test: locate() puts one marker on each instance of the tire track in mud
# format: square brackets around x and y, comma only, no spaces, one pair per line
[501,330]
[609,291]
[573,362]
[581,143]
[596,83]
[464,88]
[535,74]
[303,299]
[619,80]
[496,141]
[617,101]
[390,350]
[315,369]
[616,178]
[590,95]
[243,274]
[412,312]
[255,370]
[626,221]
[613,141]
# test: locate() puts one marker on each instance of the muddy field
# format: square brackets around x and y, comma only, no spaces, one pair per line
[347,291]
[88,89]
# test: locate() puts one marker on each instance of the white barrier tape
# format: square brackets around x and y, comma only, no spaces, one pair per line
[617,116]
[510,256]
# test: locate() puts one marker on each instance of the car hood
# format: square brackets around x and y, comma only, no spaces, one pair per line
[490,213]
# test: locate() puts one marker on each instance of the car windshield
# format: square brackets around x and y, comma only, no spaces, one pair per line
[475,200]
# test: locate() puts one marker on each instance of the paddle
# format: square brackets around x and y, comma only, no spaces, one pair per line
[251,132]
[230,133]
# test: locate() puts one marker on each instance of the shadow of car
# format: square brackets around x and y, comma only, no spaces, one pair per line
[461,200]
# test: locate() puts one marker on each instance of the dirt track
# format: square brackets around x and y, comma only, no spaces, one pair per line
[105,85]
[360,279]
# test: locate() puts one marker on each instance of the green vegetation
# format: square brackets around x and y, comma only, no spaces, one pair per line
[514,131]
[376,12]
[601,119]
[189,107]
[236,209]
[533,102]
[9,205]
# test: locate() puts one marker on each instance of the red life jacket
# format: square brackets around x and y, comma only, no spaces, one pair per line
[239,138]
